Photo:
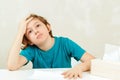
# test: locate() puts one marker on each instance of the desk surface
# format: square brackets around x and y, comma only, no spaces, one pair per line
[42,74]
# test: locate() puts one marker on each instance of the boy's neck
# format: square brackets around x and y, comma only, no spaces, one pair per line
[48,44]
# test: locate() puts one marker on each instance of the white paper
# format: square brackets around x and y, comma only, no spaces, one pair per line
[56,75]
[112,53]
[47,75]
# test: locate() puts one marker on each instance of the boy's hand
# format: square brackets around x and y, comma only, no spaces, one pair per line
[23,25]
[75,72]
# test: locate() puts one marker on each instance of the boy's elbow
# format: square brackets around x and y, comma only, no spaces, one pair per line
[12,67]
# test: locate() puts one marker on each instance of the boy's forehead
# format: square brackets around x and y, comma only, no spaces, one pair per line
[33,22]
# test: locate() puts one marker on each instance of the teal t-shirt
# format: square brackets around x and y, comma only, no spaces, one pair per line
[59,56]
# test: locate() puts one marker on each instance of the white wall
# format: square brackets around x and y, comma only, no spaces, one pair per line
[91,23]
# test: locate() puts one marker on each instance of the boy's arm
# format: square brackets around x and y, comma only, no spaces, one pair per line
[86,61]
[77,70]
[15,61]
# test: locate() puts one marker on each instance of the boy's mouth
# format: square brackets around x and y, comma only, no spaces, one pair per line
[39,36]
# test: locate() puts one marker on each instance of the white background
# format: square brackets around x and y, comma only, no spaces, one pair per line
[90,23]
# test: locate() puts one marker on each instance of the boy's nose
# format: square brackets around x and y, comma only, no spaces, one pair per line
[36,31]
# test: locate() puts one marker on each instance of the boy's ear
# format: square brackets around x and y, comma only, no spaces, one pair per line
[48,27]
[24,40]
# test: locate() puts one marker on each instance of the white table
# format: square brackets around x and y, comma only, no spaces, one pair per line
[42,74]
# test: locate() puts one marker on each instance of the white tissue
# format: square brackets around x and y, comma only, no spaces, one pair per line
[112,53]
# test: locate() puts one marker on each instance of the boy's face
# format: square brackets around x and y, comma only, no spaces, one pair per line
[37,32]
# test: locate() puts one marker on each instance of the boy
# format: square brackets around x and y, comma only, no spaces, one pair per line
[45,50]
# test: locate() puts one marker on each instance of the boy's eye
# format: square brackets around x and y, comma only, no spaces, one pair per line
[38,25]
[29,31]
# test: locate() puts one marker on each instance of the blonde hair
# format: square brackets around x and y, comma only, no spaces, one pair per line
[25,41]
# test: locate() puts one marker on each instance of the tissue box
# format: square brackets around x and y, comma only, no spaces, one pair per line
[106,69]
[112,53]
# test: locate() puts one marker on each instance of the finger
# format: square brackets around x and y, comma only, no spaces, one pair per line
[75,76]
[80,75]
[71,76]
[67,75]
[30,19]
[64,72]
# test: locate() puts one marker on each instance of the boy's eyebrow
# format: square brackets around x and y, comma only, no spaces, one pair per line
[35,23]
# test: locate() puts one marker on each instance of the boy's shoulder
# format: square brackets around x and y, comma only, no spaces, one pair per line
[61,37]
[30,47]
[62,40]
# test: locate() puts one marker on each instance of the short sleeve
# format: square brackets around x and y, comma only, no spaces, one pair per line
[74,49]
[28,53]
